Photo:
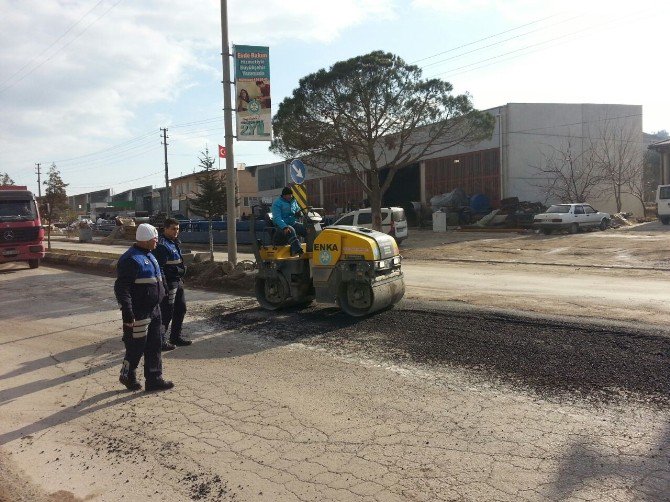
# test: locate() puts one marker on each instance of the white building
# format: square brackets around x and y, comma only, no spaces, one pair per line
[508,164]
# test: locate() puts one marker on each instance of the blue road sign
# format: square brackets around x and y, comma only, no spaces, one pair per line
[298,171]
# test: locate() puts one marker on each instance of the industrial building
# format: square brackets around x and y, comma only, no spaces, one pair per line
[507,164]
[184,188]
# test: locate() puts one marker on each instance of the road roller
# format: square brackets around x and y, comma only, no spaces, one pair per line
[355,268]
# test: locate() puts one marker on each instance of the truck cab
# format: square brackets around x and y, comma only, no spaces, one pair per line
[21,232]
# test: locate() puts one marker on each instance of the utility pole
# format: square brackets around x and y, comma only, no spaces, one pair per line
[228,126]
[39,183]
[168,198]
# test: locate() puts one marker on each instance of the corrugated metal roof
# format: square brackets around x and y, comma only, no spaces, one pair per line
[661,145]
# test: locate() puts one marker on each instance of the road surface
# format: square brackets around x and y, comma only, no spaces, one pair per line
[638,296]
[415,403]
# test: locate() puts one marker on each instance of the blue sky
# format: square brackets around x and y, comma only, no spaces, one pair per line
[88,83]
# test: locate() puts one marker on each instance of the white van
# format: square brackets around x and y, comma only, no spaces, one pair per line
[393,221]
[663,203]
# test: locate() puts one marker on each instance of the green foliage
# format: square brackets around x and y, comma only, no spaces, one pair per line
[54,201]
[5,179]
[210,201]
[364,113]
[373,112]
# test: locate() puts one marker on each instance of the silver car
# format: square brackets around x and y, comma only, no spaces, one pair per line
[570,217]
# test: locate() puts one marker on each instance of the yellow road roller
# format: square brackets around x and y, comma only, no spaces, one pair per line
[356,268]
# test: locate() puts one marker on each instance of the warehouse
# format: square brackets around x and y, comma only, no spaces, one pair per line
[527,137]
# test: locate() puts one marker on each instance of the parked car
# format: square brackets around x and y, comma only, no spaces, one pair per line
[393,221]
[663,203]
[571,217]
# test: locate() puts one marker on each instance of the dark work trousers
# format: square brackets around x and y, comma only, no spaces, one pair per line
[297,229]
[173,309]
[144,339]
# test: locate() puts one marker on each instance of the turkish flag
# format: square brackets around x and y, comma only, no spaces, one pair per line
[222,152]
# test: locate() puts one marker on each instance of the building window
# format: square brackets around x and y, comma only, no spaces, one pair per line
[271,177]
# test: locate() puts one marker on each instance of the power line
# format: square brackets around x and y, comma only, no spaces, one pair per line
[493,44]
[488,38]
[143,136]
[187,124]
[108,162]
[530,46]
[97,152]
[119,182]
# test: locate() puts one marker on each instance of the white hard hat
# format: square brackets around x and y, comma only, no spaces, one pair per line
[145,232]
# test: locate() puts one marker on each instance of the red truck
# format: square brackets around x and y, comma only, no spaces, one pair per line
[21,232]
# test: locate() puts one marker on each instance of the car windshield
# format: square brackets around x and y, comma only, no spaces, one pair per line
[558,208]
[17,210]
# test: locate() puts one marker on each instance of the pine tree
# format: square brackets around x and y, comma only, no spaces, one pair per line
[54,202]
[210,200]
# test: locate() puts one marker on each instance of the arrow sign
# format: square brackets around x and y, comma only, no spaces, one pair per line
[298,171]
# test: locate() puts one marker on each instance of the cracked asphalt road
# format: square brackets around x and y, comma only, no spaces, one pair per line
[424,402]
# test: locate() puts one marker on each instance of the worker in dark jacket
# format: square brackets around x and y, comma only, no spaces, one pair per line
[173,306]
[139,290]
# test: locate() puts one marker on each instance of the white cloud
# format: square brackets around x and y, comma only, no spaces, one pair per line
[87,89]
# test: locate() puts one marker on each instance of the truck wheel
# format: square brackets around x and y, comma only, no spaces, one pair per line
[604,224]
[665,220]
[573,228]
[34,263]
[546,231]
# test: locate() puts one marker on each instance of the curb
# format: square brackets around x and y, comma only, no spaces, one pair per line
[77,260]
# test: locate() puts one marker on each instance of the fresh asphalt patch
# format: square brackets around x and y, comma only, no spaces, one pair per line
[553,358]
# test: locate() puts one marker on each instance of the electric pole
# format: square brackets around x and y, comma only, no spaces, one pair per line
[39,182]
[228,126]
[168,198]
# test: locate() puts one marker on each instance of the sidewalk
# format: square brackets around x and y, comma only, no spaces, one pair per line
[62,243]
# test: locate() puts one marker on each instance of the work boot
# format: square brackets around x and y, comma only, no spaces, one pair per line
[167,346]
[130,382]
[158,385]
[180,342]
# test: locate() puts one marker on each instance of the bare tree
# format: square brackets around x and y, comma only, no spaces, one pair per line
[638,185]
[568,175]
[617,153]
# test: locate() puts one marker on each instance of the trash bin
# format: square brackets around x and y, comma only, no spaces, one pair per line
[439,221]
[85,234]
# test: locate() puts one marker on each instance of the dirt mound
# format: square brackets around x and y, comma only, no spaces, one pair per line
[221,276]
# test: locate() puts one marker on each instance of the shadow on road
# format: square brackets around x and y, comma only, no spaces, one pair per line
[89,405]
[644,476]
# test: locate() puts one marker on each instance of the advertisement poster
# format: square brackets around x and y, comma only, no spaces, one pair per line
[252,93]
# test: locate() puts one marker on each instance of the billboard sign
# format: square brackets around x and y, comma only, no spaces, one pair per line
[252,93]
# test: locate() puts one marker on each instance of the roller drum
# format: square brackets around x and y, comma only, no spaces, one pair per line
[359,299]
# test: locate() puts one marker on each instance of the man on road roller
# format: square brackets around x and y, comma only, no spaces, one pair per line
[284,212]
[356,268]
